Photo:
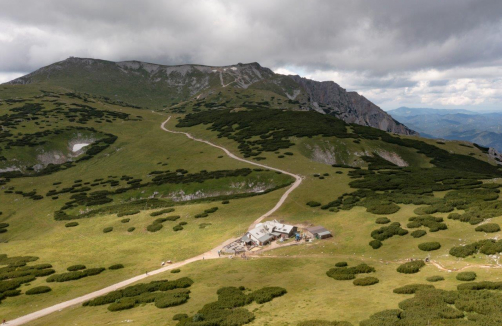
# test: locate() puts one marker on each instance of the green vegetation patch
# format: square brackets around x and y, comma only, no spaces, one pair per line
[435,278]
[227,310]
[433,223]
[75,275]
[38,290]
[429,246]
[466,276]
[365,281]
[412,288]
[386,232]
[349,273]
[382,220]
[487,247]
[418,233]
[163,293]
[411,267]
[488,228]
[318,322]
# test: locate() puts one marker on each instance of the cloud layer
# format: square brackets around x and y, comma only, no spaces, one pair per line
[418,53]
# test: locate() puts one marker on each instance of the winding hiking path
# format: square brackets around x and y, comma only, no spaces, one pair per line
[211,254]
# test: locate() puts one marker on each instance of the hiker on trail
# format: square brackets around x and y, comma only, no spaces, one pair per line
[146,273]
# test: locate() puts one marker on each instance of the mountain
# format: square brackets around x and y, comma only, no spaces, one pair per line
[158,86]
[407,112]
[480,128]
[97,196]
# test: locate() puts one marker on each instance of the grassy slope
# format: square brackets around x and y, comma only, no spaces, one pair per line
[300,269]
[140,146]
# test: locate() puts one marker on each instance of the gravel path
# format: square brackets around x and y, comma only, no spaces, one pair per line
[212,254]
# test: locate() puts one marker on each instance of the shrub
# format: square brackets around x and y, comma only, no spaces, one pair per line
[386,232]
[38,290]
[76,268]
[488,228]
[154,227]
[466,276]
[313,203]
[125,220]
[375,244]
[412,288]
[225,202]
[435,278]
[122,304]
[177,228]
[71,224]
[131,229]
[349,273]
[162,211]
[383,209]
[127,213]
[176,270]
[365,281]
[267,294]
[116,266]
[211,210]
[180,316]
[418,233]
[201,215]
[171,299]
[411,267]
[429,246]
[382,220]
[341,264]
[108,229]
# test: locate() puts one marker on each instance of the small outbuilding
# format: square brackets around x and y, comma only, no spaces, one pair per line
[318,232]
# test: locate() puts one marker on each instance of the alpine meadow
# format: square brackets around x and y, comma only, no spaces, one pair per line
[224,195]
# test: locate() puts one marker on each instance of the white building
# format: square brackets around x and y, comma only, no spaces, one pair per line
[268,231]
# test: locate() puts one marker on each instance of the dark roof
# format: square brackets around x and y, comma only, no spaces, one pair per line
[317,229]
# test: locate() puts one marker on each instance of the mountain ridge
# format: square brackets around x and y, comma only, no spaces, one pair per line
[156,86]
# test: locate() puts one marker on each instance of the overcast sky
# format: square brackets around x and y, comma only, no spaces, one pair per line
[424,53]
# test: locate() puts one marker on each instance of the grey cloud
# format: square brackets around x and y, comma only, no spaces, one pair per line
[381,43]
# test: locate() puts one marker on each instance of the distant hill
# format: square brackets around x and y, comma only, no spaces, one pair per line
[481,128]
[158,86]
[407,112]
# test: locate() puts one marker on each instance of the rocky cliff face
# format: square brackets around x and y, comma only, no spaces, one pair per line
[157,86]
[329,98]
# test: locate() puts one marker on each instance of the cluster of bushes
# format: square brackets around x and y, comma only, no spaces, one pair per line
[38,290]
[163,293]
[3,226]
[433,223]
[227,310]
[157,224]
[487,247]
[488,228]
[75,275]
[435,278]
[365,281]
[386,232]
[418,233]
[76,268]
[313,203]
[429,246]
[17,272]
[71,224]
[271,128]
[466,276]
[412,288]
[162,211]
[206,212]
[382,220]
[349,273]
[127,213]
[108,229]
[411,267]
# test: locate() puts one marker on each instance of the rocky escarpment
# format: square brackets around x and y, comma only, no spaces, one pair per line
[159,86]
[329,98]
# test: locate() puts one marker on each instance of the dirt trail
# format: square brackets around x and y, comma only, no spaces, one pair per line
[211,254]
